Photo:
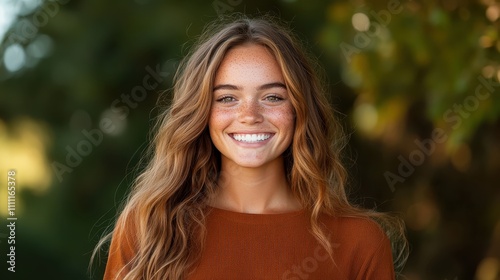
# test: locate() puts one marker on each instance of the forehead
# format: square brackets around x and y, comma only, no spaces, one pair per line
[249,61]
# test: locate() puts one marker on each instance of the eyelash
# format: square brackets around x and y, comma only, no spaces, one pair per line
[223,99]
[271,98]
[275,98]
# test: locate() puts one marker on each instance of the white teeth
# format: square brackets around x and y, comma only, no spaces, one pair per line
[251,138]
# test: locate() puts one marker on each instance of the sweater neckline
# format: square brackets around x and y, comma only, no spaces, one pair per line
[253,218]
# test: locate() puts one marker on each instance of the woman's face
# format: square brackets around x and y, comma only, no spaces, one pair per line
[252,120]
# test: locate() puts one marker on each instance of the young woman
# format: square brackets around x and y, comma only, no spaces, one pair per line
[245,179]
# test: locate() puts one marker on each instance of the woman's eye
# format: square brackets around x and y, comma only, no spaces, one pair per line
[226,99]
[274,98]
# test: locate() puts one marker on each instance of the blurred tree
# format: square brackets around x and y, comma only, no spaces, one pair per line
[80,82]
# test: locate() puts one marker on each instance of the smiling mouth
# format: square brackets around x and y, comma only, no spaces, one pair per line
[251,138]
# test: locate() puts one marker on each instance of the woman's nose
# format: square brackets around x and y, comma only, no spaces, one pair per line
[250,112]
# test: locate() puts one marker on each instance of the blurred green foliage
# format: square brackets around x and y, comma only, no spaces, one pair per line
[401,72]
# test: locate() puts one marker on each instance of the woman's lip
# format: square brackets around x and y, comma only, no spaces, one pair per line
[251,132]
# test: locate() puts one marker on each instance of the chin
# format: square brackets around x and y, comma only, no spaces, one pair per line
[250,164]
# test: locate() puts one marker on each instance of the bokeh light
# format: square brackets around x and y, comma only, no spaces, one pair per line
[360,22]
[14,57]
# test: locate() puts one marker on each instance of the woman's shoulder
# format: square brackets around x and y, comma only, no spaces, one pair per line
[358,230]
[361,244]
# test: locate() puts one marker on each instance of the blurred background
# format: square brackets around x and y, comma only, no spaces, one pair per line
[417,83]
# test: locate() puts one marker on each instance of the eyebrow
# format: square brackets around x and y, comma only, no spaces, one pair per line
[262,87]
[272,85]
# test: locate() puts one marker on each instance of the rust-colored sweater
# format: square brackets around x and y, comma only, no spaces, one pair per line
[279,246]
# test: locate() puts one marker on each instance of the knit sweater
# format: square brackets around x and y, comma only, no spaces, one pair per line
[280,246]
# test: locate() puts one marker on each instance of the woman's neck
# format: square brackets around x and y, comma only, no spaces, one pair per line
[255,190]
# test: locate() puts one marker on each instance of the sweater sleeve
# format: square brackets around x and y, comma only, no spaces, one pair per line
[121,253]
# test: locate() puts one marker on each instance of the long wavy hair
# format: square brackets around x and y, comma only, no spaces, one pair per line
[165,211]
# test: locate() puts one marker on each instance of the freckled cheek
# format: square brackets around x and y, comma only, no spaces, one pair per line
[284,117]
[219,118]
